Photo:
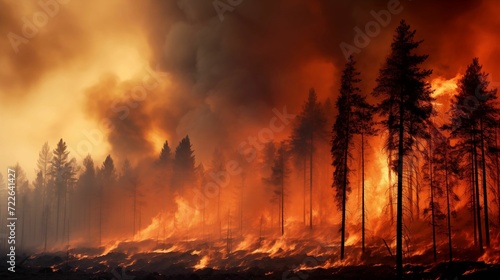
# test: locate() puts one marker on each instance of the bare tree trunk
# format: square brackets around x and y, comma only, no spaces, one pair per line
[100,215]
[485,190]
[433,221]
[473,199]
[305,186]
[64,213]
[57,212]
[46,218]
[391,203]
[478,204]
[311,182]
[344,189]
[450,246]
[399,219]
[410,185]
[417,194]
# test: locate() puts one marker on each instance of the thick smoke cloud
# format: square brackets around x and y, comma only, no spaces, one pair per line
[221,79]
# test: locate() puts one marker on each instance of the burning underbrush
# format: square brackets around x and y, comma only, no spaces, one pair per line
[251,257]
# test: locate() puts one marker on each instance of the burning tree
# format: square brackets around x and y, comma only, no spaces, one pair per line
[406,106]
[183,165]
[309,128]
[279,173]
[353,118]
[473,123]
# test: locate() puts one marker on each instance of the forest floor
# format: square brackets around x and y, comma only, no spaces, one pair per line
[209,262]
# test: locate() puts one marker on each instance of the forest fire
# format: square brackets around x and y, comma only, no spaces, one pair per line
[249,140]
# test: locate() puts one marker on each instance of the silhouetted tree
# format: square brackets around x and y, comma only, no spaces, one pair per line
[43,167]
[165,154]
[447,163]
[433,211]
[279,173]
[128,180]
[474,119]
[354,117]
[218,166]
[62,173]
[309,128]
[87,186]
[107,178]
[406,99]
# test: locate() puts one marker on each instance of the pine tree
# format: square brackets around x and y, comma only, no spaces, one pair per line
[129,181]
[474,119]
[354,118]
[279,174]
[107,178]
[406,99]
[309,128]
[43,167]
[165,154]
[62,173]
[87,189]
[447,164]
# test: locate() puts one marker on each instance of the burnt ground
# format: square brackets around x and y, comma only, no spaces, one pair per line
[457,270]
[127,262]
[52,266]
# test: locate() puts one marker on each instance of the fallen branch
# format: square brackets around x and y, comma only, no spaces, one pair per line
[388,249]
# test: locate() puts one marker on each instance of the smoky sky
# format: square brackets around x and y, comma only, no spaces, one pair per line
[226,76]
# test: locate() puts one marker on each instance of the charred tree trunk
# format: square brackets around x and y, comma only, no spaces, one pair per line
[417,194]
[485,189]
[399,218]
[473,199]
[344,191]
[100,214]
[410,185]
[433,221]
[478,205]
[305,186]
[450,246]
[311,181]
[57,212]
[391,202]
[46,218]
